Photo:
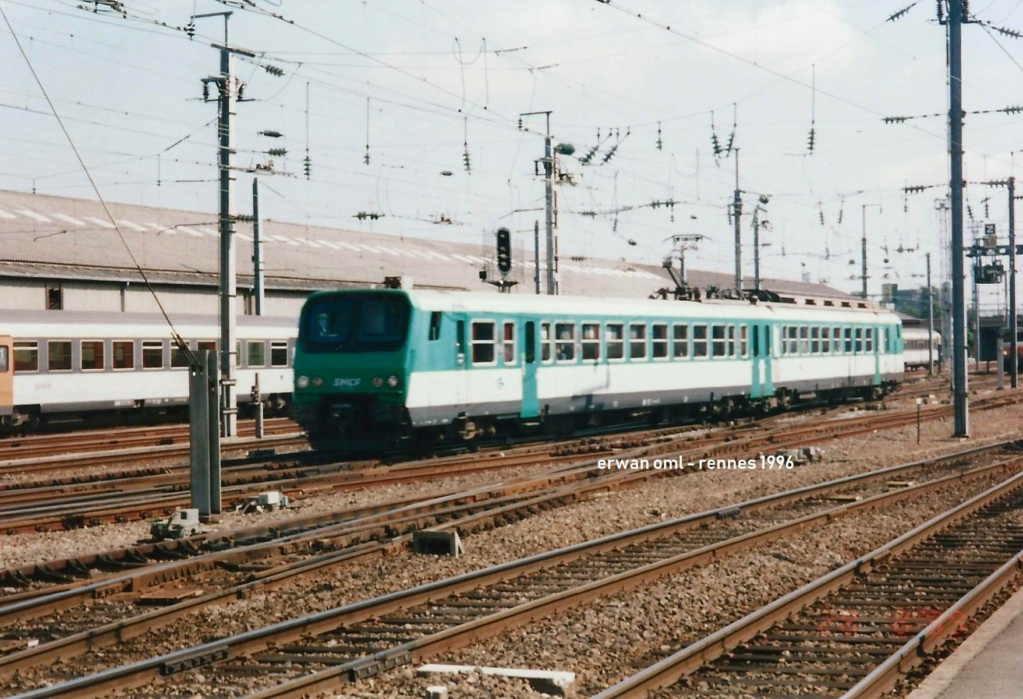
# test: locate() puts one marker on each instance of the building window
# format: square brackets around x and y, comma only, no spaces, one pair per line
[123,354]
[59,355]
[54,298]
[26,356]
[152,354]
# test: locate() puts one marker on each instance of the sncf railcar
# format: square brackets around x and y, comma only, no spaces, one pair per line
[916,354]
[389,365]
[67,365]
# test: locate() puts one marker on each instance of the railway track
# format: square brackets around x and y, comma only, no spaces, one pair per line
[50,506]
[858,630]
[83,442]
[315,653]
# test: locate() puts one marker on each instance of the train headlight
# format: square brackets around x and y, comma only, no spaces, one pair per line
[302,382]
[392,381]
[317,381]
[377,382]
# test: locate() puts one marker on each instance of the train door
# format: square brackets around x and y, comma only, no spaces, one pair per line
[530,360]
[6,376]
[761,359]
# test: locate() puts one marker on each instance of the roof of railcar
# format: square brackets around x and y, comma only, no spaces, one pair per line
[555,306]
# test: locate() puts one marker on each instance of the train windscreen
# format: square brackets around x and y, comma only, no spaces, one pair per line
[355,323]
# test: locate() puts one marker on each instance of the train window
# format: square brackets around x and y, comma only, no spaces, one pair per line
[858,349]
[887,340]
[178,357]
[564,343]
[123,354]
[58,354]
[699,341]
[92,355]
[5,360]
[545,342]
[435,325]
[591,341]
[730,329]
[659,340]
[789,344]
[743,341]
[209,345]
[482,342]
[868,340]
[255,353]
[680,346]
[614,340]
[278,353]
[718,347]
[509,342]
[381,320]
[815,340]
[26,356]
[637,341]
[152,354]
[804,340]
[530,342]
[847,332]
[826,340]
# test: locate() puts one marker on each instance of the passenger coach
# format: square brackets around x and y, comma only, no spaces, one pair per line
[69,364]
[391,364]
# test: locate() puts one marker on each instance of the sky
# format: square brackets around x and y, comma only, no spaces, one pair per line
[412,109]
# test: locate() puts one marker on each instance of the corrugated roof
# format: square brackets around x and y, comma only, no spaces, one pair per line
[66,238]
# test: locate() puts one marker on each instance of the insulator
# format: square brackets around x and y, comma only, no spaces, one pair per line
[277,152]
[307,166]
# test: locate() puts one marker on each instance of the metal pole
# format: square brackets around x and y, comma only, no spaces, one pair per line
[756,248]
[930,321]
[863,252]
[536,255]
[1013,320]
[737,213]
[548,170]
[257,251]
[955,134]
[257,397]
[228,269]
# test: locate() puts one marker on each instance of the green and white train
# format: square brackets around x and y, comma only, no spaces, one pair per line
[377,367]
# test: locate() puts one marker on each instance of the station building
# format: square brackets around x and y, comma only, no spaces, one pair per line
[63,253]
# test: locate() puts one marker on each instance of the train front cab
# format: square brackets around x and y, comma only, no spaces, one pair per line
[6,379]
[350,367]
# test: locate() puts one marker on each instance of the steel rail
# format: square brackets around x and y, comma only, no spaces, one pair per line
[669,670]
[289,631]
